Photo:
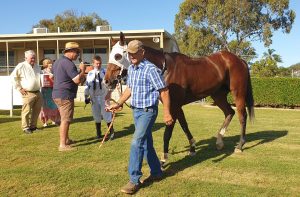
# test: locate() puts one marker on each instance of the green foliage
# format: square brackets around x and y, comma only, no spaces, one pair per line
[203,27]
[264,68]
[273,92]
[268,66]
[276,92]
[295,66]
[70,21]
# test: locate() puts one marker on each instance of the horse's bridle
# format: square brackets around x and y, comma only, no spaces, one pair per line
[164,66]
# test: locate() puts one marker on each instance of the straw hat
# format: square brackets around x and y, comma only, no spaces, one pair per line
[71,46]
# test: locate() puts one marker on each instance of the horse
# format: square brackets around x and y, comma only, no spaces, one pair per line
[191,79]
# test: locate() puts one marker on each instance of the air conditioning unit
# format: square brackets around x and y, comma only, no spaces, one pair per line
[103,28]
[40,30]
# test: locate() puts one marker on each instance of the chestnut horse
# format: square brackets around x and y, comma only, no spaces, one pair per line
[191,79]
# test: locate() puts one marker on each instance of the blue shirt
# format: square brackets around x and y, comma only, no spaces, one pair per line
[64,70]
[145,81]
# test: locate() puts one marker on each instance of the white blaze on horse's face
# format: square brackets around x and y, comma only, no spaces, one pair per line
[119,56]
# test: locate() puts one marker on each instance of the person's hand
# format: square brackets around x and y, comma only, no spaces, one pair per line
[82,66]
[168,119]
[23,91]
[114,107]
[51,76]
[87,100]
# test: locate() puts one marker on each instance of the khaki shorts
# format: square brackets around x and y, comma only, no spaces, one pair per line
[66,109]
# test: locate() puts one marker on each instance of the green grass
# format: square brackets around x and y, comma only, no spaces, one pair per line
[30,165]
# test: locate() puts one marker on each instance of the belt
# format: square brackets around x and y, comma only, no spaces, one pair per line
[145,109]
[34,91]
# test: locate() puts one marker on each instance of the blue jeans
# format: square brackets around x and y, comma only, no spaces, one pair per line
[142,144]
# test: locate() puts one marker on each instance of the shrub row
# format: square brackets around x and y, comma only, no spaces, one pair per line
[274,92]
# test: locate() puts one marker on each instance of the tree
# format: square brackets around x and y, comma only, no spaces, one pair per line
[70,21]
[268,65]
[272,56]
[205,26]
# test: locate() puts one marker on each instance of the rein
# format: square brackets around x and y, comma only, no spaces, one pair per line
[164,66]
[120,91]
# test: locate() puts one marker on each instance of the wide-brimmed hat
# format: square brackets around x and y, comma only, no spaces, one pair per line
[71,46]
[134,46]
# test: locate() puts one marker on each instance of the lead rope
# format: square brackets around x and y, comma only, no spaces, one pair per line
[108,130]
[111,123]
[120,91]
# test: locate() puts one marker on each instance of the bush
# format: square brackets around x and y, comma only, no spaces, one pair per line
[276,92]
[273,92]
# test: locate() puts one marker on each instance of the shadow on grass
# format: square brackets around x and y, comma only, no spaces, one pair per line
[129,130]
[90,118]
[206,149]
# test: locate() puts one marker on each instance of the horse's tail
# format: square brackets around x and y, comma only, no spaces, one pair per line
[249,98]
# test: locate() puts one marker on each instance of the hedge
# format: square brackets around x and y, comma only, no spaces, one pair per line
[274,92]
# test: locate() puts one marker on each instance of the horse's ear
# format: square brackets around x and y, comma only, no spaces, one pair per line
[122,39]
[113,41]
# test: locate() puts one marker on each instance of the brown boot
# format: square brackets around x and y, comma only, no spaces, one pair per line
[130,188]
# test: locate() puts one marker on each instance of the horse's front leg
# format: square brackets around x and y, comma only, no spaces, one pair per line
[187,132]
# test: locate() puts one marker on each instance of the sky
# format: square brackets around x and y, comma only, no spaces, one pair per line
[18,17]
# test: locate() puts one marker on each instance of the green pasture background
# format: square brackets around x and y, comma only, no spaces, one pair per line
[31,165]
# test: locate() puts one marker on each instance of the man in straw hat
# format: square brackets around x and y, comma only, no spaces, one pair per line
[66,80]
[145,85]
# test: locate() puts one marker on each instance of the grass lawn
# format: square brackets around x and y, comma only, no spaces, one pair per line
[31,165]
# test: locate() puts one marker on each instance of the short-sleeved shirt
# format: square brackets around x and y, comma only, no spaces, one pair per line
[64,70]
[145,81]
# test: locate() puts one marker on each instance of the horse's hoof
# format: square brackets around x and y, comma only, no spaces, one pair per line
[164,158]
[192,142]
[220,145]
[192,153]
[237,150]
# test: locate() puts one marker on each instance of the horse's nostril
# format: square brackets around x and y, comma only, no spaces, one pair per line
[106,81]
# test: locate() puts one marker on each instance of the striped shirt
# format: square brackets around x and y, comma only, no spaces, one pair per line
[145,81]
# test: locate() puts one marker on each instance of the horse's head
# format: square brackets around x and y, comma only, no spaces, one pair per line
[117,64]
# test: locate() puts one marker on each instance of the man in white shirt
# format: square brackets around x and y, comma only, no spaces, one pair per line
[26,79]
[97,93]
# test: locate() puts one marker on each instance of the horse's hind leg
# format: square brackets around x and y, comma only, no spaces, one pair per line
[186,130]
[220,99]
[242,114]
[167,137]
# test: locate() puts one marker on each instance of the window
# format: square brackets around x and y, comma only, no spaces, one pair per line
[11,56]
[89,53]
[50,53]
